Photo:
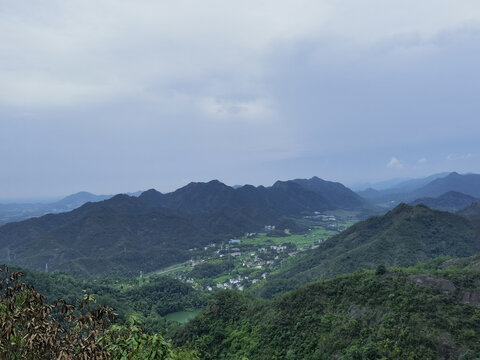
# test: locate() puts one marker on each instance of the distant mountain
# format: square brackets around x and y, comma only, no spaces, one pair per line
[432,186]
[283,198]
[451,201]
[402,237]
[229,210]
[400,184]
[379,185]
[124,234]
[76,200]
[468,184]
[335,193]
[414,184]
[18,212]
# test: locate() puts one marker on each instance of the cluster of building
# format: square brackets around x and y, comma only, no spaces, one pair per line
[321,217]
[239,282]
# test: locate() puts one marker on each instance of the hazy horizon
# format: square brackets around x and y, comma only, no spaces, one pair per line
[378,185]
[112,97]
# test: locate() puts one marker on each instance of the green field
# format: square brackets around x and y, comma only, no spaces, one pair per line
[301,240]
[181,316]
[171,270]
[222,278]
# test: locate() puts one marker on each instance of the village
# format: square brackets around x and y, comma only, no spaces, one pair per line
[240,263]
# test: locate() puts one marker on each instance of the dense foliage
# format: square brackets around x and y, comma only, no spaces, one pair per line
[211,268]
[429,312]
[150,299]
[34,329]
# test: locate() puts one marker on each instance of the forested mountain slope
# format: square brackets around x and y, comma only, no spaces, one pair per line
[117,236]
[404,236]
[430,312]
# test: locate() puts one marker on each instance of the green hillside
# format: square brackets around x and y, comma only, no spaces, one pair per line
[404,236]
[150,298]
[428,312]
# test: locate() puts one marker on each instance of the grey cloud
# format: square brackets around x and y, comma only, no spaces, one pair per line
[116,96]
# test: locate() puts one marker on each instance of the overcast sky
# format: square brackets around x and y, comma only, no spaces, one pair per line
[112,96]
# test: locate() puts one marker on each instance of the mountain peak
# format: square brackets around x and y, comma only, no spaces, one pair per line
[151,197]
[402,208]
[150,192]
[210,184]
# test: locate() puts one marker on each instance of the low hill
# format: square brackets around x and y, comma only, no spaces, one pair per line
[451,201]
[422,313]
[404,236]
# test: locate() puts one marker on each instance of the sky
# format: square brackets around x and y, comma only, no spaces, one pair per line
[113,96]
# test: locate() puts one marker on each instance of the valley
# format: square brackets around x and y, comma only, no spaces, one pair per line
[219,270]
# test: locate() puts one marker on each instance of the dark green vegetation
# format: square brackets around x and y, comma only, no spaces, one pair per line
[125,235]
[211,268]
[150,298]
[116,236]
[404,236]
[472,212]
[428,312]
[451,201]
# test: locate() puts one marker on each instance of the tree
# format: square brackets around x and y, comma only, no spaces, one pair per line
[381,269]
[32,329]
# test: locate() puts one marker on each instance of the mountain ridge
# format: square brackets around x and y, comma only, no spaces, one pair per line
[451,201]
[157,229]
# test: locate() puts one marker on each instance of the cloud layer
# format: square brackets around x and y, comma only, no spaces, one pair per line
[117,95]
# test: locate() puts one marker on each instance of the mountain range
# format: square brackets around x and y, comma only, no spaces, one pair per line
[429,187]
[125,235]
